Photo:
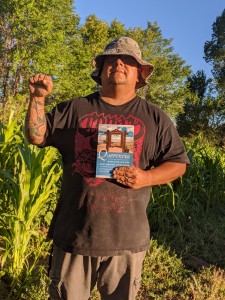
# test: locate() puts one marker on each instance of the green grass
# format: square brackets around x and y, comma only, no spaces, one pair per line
[164,276]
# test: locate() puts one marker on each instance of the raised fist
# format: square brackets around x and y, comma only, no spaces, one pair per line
[40,85]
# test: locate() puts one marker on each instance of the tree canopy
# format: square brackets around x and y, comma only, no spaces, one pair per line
[215,55]
[47,37]
[198,106]
[215,52]
[35,37]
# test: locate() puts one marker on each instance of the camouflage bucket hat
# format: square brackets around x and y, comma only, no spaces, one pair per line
[123,46]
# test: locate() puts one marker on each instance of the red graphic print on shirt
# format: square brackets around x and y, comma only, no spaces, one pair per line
[101,197]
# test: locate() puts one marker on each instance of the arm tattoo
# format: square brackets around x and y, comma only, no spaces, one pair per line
[35,122]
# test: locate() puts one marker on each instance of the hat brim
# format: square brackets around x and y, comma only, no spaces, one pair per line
[146,68]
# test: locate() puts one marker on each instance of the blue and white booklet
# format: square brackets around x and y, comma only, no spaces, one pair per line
[115,148]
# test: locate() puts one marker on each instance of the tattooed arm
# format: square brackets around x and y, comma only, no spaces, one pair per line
[40,86]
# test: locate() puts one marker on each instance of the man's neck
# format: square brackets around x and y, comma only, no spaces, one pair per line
[117,96]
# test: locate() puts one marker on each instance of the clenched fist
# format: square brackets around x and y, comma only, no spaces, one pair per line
[40,85]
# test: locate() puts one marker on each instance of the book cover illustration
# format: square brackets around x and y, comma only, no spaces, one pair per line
[115,148]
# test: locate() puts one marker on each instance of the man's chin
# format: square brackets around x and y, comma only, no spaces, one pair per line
[118,82]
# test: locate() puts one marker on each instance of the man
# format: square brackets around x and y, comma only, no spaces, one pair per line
[100,229]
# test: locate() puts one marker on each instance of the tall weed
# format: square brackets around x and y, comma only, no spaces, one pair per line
[189,214]
[28,181]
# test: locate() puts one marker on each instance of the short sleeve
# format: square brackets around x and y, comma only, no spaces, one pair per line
[169,146]
[61,116]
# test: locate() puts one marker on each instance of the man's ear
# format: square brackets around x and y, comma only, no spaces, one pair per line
[139,75]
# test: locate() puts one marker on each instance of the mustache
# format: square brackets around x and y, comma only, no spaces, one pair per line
[118,70]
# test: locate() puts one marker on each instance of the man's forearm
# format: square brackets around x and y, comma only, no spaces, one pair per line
[35,121]
[165,173]
[136,178]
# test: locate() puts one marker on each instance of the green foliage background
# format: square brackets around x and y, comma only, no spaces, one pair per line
[186,258]
[187,218]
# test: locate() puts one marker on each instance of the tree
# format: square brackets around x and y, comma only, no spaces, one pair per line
[199,107]
[46,37]
[215,52]
[35,37]
[116,29]
[167,86]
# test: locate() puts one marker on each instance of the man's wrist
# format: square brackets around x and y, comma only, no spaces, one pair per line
[149,178]
[39,99]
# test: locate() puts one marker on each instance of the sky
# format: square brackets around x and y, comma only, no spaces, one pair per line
[187,22]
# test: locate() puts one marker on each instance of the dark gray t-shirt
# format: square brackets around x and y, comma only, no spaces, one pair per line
[95,216]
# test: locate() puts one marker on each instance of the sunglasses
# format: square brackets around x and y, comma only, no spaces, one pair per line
[126,59]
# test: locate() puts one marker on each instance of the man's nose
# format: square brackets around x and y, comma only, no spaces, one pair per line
[119,61]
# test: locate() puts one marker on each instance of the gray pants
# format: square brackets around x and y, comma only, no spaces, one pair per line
[74,276]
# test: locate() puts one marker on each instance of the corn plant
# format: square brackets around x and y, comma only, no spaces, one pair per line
[28,182]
